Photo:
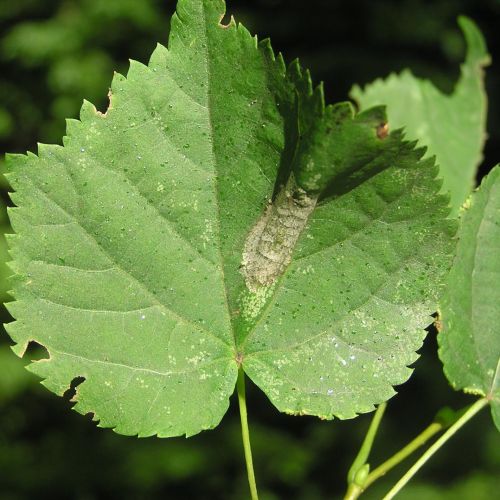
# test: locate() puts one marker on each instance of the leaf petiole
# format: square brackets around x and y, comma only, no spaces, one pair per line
[240,387]
[402,454]
[471,411]
[356,488]
[360,467]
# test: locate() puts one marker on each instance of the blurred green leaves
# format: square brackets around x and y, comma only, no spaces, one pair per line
[14,378]
[476,486]
[64,51]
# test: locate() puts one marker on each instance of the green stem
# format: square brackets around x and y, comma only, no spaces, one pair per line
[359,469]
[364,451]
[473,409]
[240,385]
[402,454]
[353,492]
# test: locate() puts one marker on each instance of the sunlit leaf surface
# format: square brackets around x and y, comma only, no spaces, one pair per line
[219,215]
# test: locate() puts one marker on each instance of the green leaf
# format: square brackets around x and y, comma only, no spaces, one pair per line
[219,215]
[451,126]
[470,339]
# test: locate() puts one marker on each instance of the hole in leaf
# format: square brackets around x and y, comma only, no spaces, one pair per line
[70,393]
[105,107]
[36,351]
[226,20]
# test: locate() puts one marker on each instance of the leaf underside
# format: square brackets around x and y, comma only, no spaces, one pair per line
[129,241]
[470,340]
[453,127]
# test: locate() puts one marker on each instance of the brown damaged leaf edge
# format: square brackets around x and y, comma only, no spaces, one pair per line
[110,106]
[383,130]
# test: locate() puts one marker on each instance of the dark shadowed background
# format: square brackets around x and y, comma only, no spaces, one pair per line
[54,53]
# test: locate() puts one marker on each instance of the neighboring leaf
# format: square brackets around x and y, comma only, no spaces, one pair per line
[451,126]
[470,313]
[151,262]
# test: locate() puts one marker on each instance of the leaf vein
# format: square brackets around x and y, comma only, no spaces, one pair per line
[125,272]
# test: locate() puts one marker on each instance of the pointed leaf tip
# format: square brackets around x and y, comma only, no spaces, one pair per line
[476,49]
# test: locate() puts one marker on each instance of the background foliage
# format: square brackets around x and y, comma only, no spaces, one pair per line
[57,52]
